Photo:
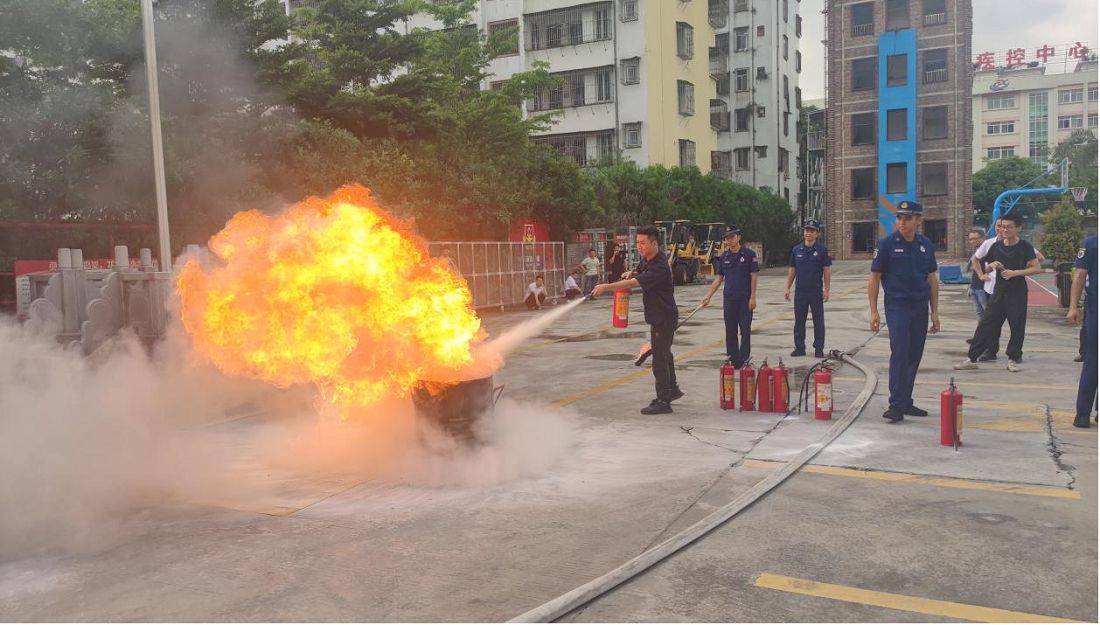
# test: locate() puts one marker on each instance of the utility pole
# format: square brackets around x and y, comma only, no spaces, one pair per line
[165,251]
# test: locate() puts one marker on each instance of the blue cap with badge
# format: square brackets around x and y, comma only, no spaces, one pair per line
[811,224]
[731,230]
[910,208]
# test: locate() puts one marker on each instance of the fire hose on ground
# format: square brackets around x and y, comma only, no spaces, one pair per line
[578,597]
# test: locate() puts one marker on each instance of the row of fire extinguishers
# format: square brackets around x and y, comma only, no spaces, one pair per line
[769,389]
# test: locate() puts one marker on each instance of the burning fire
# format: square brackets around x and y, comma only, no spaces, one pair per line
[334,292]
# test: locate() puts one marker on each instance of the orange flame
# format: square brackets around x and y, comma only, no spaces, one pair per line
[334,292]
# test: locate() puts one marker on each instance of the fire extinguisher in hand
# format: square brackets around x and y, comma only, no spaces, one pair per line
[823,394]
[621,308]
[727,386]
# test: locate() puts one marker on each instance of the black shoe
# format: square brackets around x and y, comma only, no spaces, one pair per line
[969,341]
[987,357]
[893,415]
[675,394]
[1079,358]
[657,407]
[798,351]
[913,411]
[819,353]
[1081,422]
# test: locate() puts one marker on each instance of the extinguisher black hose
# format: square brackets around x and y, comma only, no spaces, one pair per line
[574,599]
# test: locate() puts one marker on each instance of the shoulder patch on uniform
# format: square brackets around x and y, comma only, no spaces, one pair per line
[1081,253]
[922,250]
[875,253]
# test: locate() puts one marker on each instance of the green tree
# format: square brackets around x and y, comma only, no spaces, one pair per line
[1080,147]
[1062,232]
[999,176]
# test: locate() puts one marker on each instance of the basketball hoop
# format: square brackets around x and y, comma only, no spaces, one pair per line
[1079,193]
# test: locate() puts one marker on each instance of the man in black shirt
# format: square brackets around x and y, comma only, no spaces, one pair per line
[654,275]
[1013,259]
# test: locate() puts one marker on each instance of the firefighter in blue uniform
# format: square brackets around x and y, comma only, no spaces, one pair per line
[738,269]
[905,264]
[810,265]
[1085,280]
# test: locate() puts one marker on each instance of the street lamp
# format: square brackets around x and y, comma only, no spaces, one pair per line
[165,251]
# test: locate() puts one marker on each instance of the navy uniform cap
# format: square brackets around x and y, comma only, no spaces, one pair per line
[812,223]
[907,207]
[731,230]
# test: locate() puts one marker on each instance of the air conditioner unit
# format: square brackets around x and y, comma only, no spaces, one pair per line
[761,73]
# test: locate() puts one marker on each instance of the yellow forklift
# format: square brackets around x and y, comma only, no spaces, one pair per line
[678,239]
[708,246]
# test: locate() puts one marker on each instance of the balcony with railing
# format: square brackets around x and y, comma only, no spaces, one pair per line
[935,75]
[577,88]
[719,115]
[718,12]
[815,141]
[588,149]
[586,23]
[719,63]
[740,5]
[721,164]
[935,19]
[859,30]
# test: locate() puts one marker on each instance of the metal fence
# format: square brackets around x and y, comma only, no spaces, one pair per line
[499,272]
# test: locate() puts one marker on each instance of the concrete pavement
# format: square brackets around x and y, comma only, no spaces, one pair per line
[886,525]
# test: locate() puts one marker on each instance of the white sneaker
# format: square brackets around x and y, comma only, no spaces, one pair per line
[966,365]
[1014,366]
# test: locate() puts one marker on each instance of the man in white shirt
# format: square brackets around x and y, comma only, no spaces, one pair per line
[591,266]
[536,294]
[572,291]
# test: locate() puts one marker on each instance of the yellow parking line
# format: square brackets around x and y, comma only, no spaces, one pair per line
[890,476]
[963,382]
[907,603]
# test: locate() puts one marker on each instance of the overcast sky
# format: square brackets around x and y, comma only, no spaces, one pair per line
[998,26]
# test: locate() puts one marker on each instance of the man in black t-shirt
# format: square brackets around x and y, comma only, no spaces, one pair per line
[654,275]
[1013,259]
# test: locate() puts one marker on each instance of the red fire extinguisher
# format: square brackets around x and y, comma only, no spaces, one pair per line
[748,387]
[823,394]
[727,386]
[764,383]
[951,416]
[621,308]
[781,388]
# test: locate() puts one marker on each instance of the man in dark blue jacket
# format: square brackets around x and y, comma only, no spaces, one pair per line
[738,270]
[1086,272]
[811,265]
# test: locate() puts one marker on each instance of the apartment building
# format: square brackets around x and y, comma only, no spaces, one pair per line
[1026,111]
[898,121]
[756,63]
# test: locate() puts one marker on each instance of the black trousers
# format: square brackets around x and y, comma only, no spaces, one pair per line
[532,303]
[572,294]
[664,371]
[1012,308]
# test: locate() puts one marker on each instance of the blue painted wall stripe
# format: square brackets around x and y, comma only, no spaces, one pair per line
[895,98]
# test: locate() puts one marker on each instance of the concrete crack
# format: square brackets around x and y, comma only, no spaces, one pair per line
[687,430]
[1055,447]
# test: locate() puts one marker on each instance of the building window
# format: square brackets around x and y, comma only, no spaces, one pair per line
[1000,128]
[687,153]
[632,135]
[1092,94]
[720,164]
[741,159]
[993,154]
[722,42]
[577,88]
[936,230]
[797,62]
[863,129]
[933,179]
[935,12]
[1038,120]
[786,9]
[761,151]
[586,148]
[897,124]
[863,183]
[741,119]
[896,174]
[998,102]
[897,70]
[761,111]
[863,74]
[935,66]
[740,6]
[628,10]
[605,89]
[935,122]
[1070,96]
[741,79]
[1071,121]
[897,14]
[569,26]
[685,92]
[784,164]
[603,24]
[787,91]
[863,19]
[1092,120]
[741,39]
[722,85]
[497,85]
[504,27]
[759,31]
[786,47]
[631,71]
[786,124]
[685,40]
[863,236]
[798,26]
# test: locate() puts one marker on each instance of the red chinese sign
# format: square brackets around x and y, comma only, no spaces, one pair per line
[1018,57]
